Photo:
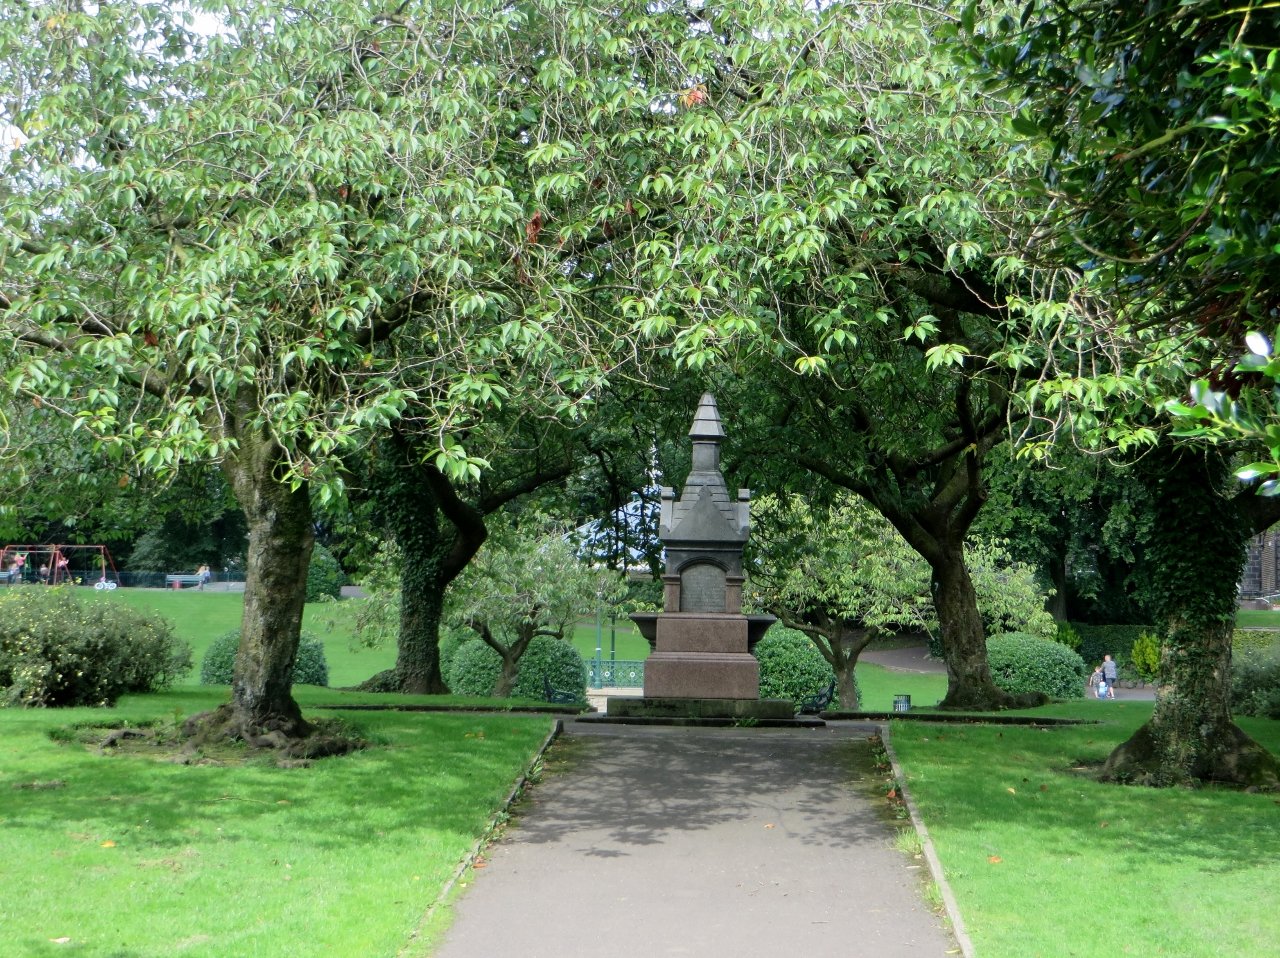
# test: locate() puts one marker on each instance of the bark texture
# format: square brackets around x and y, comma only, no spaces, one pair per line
[262,711]
[964,639]
[280,542]
[1197,554]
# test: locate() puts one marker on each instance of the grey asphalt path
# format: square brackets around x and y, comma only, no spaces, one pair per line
[643,842]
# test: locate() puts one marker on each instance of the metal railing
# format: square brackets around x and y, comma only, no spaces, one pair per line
[616,674]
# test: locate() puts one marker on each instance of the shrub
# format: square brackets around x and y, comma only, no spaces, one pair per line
[791,667]
[1255,640]
[309,668]
[59,649]
[1255,684]
[324,575]
[1145,656]
[1068,636]
[556,659]
[474,669]
[1114,640]
[451,639]
[1022,663]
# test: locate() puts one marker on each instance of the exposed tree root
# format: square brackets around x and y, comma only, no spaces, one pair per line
[1237,760]
[981,699]
[391,680]
[289,737]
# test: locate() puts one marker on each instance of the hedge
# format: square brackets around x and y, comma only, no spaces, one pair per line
[1022,663]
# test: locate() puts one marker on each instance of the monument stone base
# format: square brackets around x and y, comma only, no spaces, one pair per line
[744,708]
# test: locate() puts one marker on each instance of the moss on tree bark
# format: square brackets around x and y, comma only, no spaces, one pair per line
[1196,555]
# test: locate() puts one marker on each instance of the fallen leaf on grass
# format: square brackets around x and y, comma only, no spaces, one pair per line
[995,859]
[1011,790]
[108,844]
[60,941]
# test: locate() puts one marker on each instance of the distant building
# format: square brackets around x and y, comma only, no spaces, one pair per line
[1262,566]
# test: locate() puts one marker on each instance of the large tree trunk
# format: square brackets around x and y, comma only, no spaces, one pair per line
[964,642]
[1196,555]
[416,527]
[280,541]
[844,660]
[262,710]
[438,535]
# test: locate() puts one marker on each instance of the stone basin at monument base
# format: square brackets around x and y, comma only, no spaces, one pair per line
[647,626]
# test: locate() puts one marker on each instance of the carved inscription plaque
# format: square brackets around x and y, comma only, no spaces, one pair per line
[702,588]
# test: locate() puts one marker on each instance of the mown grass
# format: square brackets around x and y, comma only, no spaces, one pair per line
[200,617]
[1045,861]
[1258,619]
[126,855]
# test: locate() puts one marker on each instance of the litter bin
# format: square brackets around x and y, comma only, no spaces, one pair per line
[902,703]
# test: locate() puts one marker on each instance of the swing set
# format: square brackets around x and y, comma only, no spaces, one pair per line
[51,565]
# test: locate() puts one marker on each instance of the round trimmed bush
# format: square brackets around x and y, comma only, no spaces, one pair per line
[309,668]
[475,669]
[791,667]
[324,576]
[559,662]
[451,639]
[57,648]
[1022,663]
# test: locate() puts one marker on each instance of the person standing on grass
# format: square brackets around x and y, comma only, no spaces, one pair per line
[1109,673]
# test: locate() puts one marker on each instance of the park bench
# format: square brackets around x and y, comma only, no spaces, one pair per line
[178,581]
[556,696]
[816,703]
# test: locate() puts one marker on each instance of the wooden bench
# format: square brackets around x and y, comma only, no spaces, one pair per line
[816,703]
[178,581]
[556,696]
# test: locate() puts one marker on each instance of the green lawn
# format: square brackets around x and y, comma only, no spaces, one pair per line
[1258,619]
[1046,862]
[200,617]
[126,855]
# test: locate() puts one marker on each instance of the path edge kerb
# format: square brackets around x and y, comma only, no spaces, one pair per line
[926,846]
[494,823]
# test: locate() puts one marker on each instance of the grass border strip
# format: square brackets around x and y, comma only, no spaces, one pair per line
[926,846]
[483,841]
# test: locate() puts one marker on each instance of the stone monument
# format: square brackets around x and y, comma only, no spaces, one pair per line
[701,664]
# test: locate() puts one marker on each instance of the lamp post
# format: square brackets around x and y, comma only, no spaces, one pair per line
[599,637]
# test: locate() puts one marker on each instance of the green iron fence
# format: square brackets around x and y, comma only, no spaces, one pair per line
[618,674]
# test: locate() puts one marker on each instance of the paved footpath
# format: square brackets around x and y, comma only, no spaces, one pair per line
[643,842]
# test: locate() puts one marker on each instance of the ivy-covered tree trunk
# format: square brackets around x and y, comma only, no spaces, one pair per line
[964,640]
[1196,555]
[414,518]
